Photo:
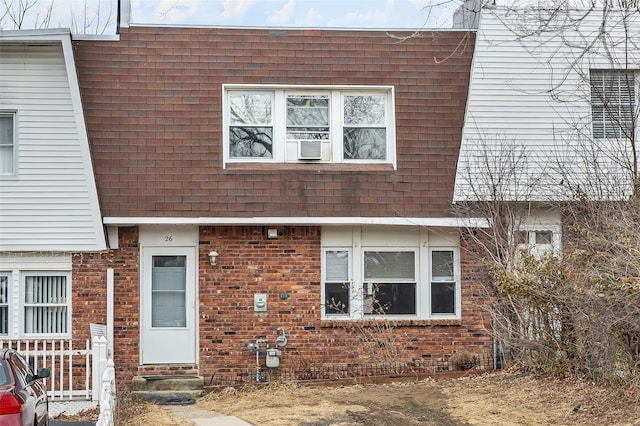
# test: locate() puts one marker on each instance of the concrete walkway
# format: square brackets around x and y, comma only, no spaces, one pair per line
[202,417]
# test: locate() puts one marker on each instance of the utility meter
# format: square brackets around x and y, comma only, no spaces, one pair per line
[260,302]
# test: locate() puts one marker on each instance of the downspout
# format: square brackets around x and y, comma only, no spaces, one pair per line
[110,298]
[123,18]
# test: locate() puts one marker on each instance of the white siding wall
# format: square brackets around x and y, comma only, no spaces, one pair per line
[51,203]
[528,118]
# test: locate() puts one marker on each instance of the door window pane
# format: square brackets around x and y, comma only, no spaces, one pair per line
[168,291]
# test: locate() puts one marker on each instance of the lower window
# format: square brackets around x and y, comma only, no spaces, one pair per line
[44,304]
[412,283]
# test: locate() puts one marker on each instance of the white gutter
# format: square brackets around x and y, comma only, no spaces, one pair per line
[451,222]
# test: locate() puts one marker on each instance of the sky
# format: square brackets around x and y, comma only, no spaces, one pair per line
[391,14]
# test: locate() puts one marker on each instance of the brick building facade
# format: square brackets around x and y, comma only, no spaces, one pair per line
[159,109]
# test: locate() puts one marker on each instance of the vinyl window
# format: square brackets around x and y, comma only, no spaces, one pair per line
[309,124]
[46,302]
[613,100]
[394,282]
[7,143]
[4,303]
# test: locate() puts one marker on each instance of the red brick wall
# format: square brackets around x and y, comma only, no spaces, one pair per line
[250,263]
[153,108]
[89,293]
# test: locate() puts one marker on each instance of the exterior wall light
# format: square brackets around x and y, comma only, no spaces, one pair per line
[213,257]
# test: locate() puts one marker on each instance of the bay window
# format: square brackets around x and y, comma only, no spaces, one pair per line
[317,124]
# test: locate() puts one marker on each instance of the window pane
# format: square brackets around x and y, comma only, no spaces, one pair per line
[544,237]
[390,299]
[45,300]
[364,110]
[336,298]
[304,110]
[389,265]
[612,100]
[168,291]
[522,237]
[365,143]
[442,265]
[443,296]
[251,142]
[250,108]
[337,265]
[4,305]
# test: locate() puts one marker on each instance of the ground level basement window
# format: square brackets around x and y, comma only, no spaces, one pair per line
[309,124]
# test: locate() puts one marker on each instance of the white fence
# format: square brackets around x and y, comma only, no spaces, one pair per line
[70,366]
[107,396]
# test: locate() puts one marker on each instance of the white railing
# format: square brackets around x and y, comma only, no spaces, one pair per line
[68,365]
[107,396]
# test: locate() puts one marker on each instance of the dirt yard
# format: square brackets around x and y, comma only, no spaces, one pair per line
[490,399]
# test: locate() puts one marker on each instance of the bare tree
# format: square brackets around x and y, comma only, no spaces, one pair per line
[577,311]
[94,17]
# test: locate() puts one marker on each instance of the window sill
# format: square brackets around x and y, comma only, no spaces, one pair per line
[341,323]
[308,167]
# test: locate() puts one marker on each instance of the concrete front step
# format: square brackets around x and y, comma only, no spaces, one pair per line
[162,383]
[167,390]
[168,397]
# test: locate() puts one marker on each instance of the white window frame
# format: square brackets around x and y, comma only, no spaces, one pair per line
[333,150]
[22,304]
[457,306]
[422,275]
[13,145]
[352,298]
[554,248]
[416,276]
[8,304]
[597,101]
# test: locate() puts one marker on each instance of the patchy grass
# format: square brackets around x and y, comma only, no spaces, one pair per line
[496,399]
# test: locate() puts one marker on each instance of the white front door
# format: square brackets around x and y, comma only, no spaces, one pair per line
[168,305]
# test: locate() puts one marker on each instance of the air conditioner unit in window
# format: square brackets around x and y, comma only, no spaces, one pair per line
[310,149]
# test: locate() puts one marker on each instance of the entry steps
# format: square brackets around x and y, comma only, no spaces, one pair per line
[167,390]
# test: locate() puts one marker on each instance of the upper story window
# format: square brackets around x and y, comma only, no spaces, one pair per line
[613,100]
[7,143]
[309,124]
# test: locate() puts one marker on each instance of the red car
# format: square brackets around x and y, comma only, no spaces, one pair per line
[23,398]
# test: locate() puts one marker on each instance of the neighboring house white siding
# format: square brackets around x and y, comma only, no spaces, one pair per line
[50,202]
[528,128]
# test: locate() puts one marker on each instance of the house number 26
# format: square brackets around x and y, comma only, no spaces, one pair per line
[168,238]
